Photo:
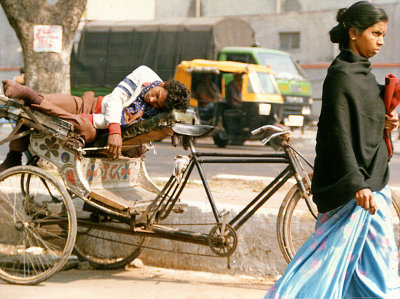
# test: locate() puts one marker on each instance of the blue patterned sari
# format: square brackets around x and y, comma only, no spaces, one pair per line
[351,254]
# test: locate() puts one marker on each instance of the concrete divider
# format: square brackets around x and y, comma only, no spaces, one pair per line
[257,253]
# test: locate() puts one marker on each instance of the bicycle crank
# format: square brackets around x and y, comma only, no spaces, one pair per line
[223,239]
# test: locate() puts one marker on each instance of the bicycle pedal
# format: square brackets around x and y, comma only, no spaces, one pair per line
[223,213]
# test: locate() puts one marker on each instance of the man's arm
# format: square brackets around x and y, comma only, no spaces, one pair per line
[122,96]
[203,94]
[113,107]
[234,98]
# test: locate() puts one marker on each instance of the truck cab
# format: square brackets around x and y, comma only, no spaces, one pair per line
[294,87]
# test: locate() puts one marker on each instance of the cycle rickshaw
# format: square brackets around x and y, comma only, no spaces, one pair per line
[105,209]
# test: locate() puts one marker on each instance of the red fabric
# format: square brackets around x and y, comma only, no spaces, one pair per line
[89,117]
[98,105]
[392,100]
[114,128]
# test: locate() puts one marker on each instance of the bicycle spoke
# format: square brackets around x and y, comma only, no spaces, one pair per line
[35,241]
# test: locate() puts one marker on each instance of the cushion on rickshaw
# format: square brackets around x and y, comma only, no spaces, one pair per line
[150,129]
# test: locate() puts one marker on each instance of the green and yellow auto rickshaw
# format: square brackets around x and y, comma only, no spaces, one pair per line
[261,101]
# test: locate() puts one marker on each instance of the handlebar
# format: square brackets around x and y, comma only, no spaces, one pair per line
[274,131]
[266,127]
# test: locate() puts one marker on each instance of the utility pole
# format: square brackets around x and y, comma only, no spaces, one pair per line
[198,9]
[278,6]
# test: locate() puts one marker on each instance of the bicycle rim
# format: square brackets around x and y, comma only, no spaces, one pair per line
[105,249]
[37,225]
[298,223]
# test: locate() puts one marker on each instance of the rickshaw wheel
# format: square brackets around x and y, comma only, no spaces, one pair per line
[37,225]
[220,138]
[105,249]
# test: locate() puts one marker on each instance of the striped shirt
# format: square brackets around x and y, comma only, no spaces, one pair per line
[123,95]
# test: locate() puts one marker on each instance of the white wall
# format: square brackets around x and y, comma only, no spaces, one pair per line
[120,10]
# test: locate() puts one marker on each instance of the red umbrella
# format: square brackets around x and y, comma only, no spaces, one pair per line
[392,100]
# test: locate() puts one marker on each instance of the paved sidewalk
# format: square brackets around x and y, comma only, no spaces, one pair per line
[138,283]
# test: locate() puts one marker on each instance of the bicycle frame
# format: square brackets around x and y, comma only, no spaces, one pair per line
[173,189]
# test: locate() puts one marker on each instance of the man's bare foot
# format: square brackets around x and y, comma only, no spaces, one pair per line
[15,90]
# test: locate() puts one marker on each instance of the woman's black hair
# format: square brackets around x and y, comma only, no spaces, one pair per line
[361,15]
[178,96]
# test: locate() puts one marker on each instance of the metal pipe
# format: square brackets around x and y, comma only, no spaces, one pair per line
[240,155]
[234,161]
[153,231]
[278,6]
[198,9]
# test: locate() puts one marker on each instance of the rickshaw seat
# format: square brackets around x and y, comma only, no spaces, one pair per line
[151,129]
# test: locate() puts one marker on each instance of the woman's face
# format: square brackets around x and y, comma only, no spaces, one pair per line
[370,41]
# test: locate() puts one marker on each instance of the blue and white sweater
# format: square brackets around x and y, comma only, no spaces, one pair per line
[122,96]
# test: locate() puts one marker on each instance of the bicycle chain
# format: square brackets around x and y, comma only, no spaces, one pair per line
[188,224]
[155,248]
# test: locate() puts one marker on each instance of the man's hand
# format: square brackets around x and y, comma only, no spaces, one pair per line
[391,121]
[114,146]
[365,200]
[129,117]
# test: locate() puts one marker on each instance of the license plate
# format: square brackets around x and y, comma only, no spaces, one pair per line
[294,121]
[264,109]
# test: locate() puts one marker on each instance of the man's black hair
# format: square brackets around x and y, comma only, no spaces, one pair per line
[178,96]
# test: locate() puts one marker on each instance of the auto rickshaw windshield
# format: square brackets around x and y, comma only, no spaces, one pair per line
[263,83]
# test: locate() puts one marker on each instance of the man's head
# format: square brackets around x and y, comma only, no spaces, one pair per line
[169,95]
[238,77]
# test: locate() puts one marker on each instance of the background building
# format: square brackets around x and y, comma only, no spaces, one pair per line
[297,26]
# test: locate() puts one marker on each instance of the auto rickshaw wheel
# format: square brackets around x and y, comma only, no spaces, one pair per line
[220,138]
[237,141]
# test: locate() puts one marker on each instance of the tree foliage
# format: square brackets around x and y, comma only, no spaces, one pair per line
[46,72]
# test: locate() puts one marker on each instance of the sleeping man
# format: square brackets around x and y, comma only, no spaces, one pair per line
[141,94]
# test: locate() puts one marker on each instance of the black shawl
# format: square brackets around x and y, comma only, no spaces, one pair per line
[351,153]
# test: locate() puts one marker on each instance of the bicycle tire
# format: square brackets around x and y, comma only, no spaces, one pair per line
[289,242]
[107,250]
[298,223]
[290,245]
[37,226]
[279,223]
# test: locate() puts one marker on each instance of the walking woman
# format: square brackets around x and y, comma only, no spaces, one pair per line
[352,253]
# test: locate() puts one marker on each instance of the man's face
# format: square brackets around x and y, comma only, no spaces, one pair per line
[156,97]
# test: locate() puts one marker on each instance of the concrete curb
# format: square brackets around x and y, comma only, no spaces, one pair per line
[258,251]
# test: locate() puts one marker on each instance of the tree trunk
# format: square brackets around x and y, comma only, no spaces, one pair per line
[45,72]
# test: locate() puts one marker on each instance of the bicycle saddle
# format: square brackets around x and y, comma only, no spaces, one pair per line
[191,130]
